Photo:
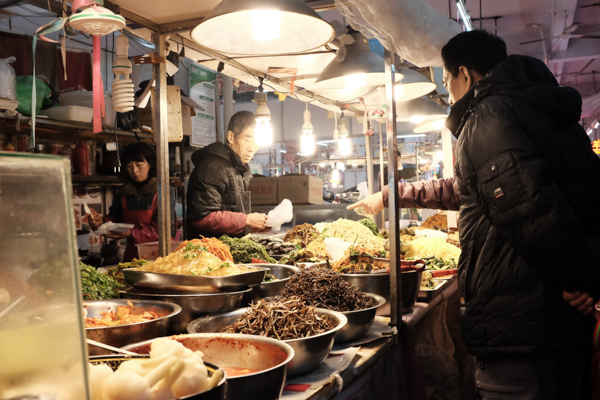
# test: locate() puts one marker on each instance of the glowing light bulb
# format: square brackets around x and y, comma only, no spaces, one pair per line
[335,176]
[265,25]
[417,119]
[355,81]
[263,133]
[307,143]
[439,124]
[399,92]
[354,165]
[345,146]
[322,165]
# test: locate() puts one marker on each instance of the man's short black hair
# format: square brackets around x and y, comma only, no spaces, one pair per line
[240,121]
[140,152]
[477,50]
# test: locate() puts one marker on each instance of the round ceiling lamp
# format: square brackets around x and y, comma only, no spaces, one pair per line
[413,86]
[263,27]
[419,110]
[354,66]
[430,126]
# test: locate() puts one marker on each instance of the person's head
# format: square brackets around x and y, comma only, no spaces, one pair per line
[240,135]
[139,161]
[467,58]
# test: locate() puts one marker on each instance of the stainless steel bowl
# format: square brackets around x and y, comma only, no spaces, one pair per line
[122,335]
[268,289]
[215,393]
[193,305]
[309,352]
[268,356]
[359,321]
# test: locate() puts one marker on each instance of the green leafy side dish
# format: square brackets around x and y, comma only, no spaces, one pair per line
[97,286]
[244,250]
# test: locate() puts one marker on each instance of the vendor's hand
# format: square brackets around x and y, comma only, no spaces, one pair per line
[95,220]
[581,301]
[121,235]
[371,205]
[257,221]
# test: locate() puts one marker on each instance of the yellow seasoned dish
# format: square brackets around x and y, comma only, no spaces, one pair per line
[193,260]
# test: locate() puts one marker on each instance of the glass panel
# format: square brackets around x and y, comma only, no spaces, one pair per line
[42,335]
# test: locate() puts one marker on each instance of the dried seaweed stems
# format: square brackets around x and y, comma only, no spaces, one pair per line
[322,287]
[283,319]
[302,235]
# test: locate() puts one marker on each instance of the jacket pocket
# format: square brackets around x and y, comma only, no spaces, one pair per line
[466,266]
[500,185]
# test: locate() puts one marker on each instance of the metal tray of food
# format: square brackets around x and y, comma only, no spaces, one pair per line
[198,284]
[428,294]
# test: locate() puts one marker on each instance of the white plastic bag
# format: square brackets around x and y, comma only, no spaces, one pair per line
[281,214]
[363,190]
[336,247]
[8,82]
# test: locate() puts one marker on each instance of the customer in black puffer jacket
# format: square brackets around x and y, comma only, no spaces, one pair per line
[529,184]
[218,186]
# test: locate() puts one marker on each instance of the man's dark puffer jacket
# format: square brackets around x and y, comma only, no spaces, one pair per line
[529,185]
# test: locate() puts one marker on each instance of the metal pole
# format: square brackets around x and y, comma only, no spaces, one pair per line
[417,163]
[369,154]
[394,209]
[227,104]
[162,151]
[381,174]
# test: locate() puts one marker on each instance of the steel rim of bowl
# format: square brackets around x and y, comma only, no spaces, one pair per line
[242,292]
[264,339]
[380,299]
[176,310]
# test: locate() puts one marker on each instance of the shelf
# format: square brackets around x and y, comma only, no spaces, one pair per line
[111,180]
[54,130]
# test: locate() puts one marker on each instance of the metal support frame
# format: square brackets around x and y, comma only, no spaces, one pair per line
[382,177]
[369,154]
[394,209]
[162,151]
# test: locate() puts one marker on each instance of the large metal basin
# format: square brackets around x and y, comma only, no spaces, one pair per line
[268,356]
[214,393]
[193,305]
[268,289]
[122,335]
[359,321]
[309,352]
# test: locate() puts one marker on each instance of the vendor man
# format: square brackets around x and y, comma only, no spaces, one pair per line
[218,197]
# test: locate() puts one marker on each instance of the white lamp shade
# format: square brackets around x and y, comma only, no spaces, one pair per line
[413,86]
[355,66]
[429,126]
[287,26]
[419,110]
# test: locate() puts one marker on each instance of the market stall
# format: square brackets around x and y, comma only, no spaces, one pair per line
[275,294]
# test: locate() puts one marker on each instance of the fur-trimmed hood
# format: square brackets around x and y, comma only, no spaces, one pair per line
[129,189]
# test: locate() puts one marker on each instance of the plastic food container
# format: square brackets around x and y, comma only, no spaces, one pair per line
[149,251]
[69,113]
[85,99]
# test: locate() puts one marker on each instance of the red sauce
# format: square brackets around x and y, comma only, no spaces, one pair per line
[238,371]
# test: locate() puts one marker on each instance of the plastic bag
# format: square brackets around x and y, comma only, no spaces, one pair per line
[281,214]
[43,93]
[8,82]
[363,191]
[336,247]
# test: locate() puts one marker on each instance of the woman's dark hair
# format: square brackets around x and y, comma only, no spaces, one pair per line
[240,121]
[477,50]
[139,152]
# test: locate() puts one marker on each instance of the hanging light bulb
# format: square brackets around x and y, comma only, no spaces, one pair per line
[263,133]
[307,141]
[335,176]
[266,25]
[345,145]
[122,87]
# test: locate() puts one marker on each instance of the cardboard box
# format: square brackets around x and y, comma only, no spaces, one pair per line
[264,190]
[180,108]
[300,189]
